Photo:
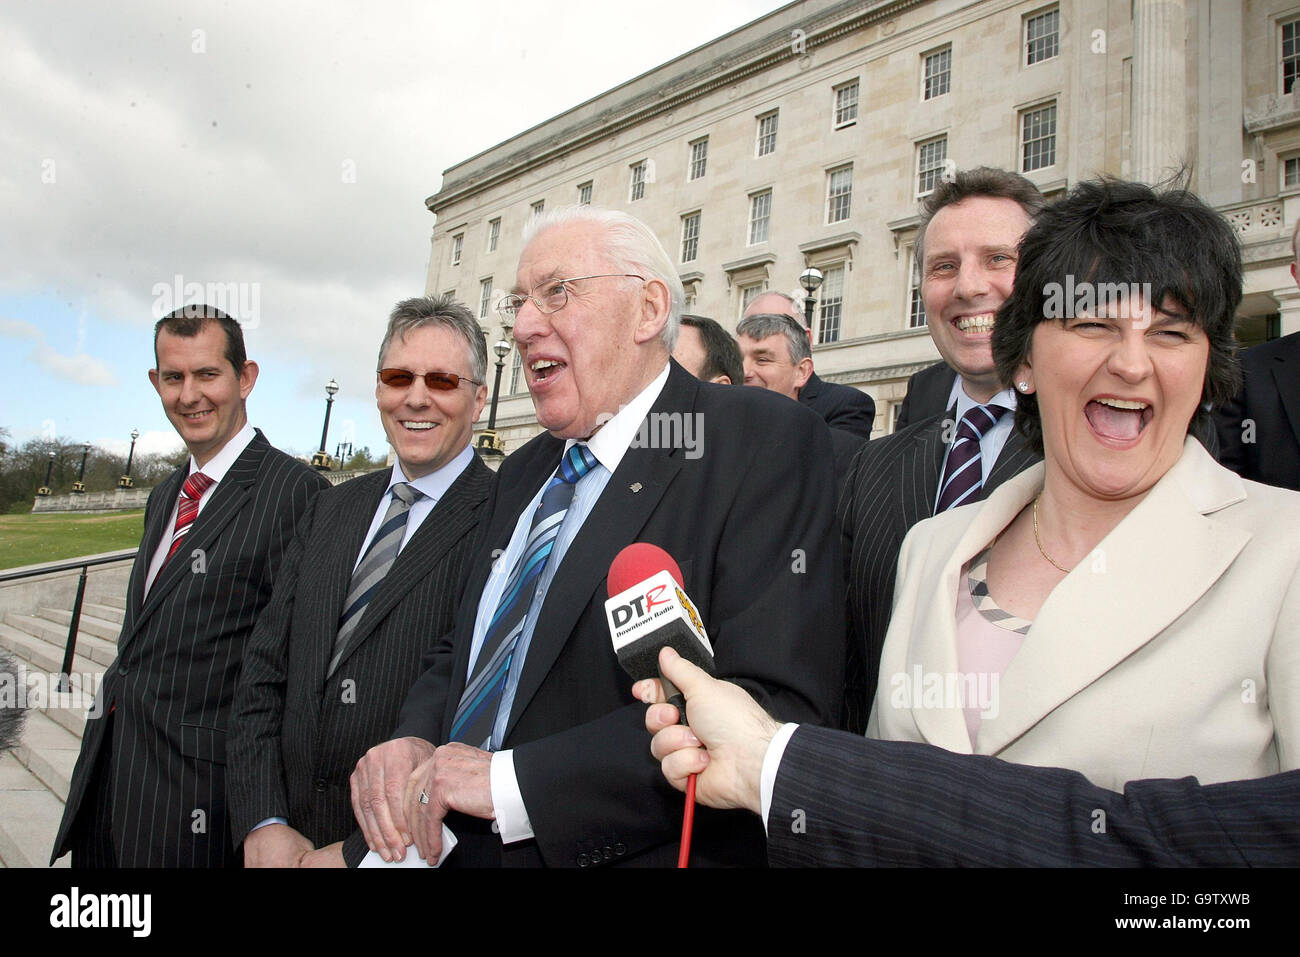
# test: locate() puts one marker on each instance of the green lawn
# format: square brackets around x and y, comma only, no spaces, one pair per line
[29,539]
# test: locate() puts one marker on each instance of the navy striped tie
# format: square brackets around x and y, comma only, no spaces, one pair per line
[963,472]
[476,714]
[374,565]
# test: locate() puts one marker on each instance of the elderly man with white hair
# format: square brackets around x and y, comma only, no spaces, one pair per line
[524,736]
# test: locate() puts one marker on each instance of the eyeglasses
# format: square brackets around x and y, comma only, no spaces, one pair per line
[552,296]
[433,381]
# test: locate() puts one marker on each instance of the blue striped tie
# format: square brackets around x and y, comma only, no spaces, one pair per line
[963,474]
[374,565]
[476,714]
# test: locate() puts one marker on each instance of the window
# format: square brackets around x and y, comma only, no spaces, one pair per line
[839,194]
[831,306]
[457,247]
[494,233]
[699,158]
[760,212]
[539,207]
[690,237]
[516,372]
[749,293]
[584,194]
[916,305]
[846,104]
[937,73]
[930,160]
[1290,54]
[484,297]
[1291,172]
[1038,138]
[1042,36]
[638,181]
[767,134]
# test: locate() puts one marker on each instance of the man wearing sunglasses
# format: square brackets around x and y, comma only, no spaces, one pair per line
[368,587]
[526,728]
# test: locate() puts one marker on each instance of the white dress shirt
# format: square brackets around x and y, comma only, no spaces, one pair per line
[216,470]
[608,445]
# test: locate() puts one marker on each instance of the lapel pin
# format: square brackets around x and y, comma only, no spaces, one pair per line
[635,487]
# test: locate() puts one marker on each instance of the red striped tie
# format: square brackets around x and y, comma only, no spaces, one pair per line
[187,507]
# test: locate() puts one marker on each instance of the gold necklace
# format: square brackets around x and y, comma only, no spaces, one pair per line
[1039,541]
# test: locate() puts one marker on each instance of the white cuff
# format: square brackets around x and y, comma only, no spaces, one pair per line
[270,820]
[771,762]
[512,817]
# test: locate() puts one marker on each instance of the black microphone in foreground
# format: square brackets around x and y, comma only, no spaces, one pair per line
[647,609]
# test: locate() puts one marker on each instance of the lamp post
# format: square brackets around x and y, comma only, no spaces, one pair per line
[343,452]
[125,480]
[49,469]
[79,486]
[321,459]
[489,443]
[810,279]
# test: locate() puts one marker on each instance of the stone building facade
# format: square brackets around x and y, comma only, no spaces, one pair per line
[808,136]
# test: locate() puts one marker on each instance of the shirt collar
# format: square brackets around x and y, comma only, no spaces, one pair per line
[435,484]
[614,438]
[1006,398]
[220,463]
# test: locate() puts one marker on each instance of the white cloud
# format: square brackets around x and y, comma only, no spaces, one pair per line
[80,368]
[149,443]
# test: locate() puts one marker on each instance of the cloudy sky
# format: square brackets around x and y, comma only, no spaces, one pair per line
[286,147]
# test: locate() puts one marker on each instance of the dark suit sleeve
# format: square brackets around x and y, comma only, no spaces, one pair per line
[776,622]
[856,414]
[904,411]
[1228,419]
[842,800]
[256,771]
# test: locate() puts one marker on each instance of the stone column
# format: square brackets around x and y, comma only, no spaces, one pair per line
[1159,89]
[1288,305]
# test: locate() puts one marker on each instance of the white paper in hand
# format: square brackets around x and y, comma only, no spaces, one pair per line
[413,858]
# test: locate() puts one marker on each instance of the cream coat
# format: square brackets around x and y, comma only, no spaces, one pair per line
[1173,650]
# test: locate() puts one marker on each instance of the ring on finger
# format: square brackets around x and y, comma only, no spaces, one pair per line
[424,798]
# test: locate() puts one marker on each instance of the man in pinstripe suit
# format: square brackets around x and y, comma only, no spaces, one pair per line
[149,787]
[319,688]
[967,241]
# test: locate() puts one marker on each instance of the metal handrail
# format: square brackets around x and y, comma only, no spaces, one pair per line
[70,649]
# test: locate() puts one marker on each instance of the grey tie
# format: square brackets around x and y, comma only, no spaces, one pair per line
[374,565]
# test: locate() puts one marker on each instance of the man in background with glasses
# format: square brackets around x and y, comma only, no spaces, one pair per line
[526,728]
[368,587]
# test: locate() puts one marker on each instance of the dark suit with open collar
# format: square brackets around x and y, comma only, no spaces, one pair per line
[751,523]
[178,661]
[301,729]
[840,406]
[893,485]
[1270,399]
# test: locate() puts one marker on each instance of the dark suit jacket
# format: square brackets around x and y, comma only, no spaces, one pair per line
[751,523]
[1269,398]
[178,661]
[927,395]
[844,447]
[841,406]
[300,732]
[892,485]
[868,803]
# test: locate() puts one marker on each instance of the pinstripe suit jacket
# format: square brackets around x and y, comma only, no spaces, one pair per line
[178,660]
[891,486]
[870,803]
[300,731]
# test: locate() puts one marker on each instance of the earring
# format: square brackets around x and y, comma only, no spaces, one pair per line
[1022,385]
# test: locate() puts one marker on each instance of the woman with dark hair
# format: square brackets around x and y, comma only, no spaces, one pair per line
[1128,608]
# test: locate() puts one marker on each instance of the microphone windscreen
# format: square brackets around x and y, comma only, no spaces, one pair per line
[636,563]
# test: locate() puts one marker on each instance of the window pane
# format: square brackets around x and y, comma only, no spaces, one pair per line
[516,372]
[1291,172]
[494,234]
[846,104]
[584,194]
[690,237]
[839,195]
[831,305]
[638,181]
[748,294]
[938,73]
[1039,138]
[760,210]
[1290,54]
[930,161]
[484,297]
[457,245]
[1042,36]
[699,158]
[767,134]
[916,306]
